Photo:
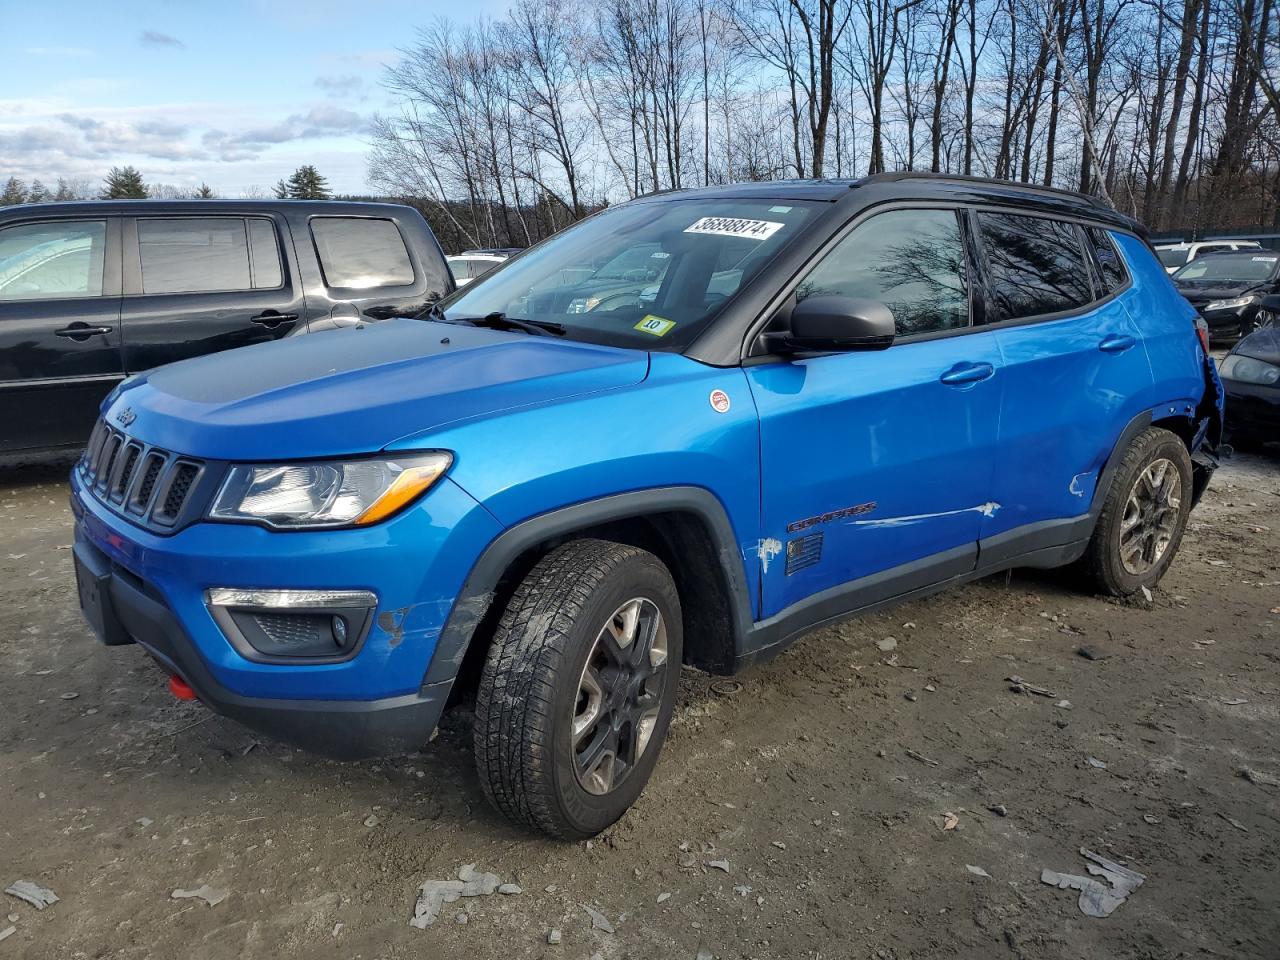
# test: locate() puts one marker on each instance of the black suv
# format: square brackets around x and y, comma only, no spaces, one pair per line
[91,292]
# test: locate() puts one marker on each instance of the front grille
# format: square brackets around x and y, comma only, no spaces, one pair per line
[151,485]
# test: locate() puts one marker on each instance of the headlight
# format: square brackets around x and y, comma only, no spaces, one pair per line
[1249,370]
[326,493]
[1232,304]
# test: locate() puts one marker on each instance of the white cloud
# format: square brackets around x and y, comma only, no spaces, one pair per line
[154,38]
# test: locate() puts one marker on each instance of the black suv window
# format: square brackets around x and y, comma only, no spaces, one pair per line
[912,261]
[359,252]
[47,261]
[207,254]
[1114,275]
[1037,265]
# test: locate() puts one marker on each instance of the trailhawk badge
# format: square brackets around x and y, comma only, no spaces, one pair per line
[719,401]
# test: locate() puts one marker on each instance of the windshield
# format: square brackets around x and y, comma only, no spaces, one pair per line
[649,275]
[1254,268]
[1173,257]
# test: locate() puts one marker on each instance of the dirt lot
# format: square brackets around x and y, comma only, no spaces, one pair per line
[804,778]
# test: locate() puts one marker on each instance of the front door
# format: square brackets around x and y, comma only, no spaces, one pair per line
[197,285]
[59,329]
[877,466]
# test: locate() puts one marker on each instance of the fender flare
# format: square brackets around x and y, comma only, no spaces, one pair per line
[473,601]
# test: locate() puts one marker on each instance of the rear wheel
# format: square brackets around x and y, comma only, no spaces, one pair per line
[579,688]
[1143,517]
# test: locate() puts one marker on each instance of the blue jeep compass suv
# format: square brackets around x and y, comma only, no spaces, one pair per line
[687,430]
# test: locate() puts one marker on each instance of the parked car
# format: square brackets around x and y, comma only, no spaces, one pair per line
[504,252]
[1175,255]
[470,266]
[91,292]
[914,382]
[1228,290]
[1251,378]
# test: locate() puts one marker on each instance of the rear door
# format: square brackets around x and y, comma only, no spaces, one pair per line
[1076,371]
[199,284]
[59,328]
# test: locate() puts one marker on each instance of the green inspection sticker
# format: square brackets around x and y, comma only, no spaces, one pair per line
[657,326]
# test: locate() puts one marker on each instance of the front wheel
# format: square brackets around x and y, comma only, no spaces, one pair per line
[579,688]
[1262,320]
[1143,517]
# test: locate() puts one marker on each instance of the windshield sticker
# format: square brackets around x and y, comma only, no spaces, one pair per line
[657,326]
[779,209]
[734,227]
[1264,259]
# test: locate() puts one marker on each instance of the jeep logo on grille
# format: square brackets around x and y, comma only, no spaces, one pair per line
[126,416]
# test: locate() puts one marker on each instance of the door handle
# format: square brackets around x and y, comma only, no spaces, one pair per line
[966,372]
[271,319]
[81,331]
[1116,343]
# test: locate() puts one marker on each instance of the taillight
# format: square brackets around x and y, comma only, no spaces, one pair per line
[1202,331]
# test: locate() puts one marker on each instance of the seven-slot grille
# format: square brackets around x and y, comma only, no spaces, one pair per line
[144,482]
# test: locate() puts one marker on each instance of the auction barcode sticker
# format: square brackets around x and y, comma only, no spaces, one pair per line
[734,227]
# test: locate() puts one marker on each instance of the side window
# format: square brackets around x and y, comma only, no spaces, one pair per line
[480,267]
[1037,265]
[358,253]
[207,254]
[52,261]
[1114,274]
[912,261]
[264,254]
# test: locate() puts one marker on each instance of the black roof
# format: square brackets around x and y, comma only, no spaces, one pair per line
[920,185]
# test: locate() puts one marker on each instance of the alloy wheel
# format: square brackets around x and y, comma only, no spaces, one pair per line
[1150,516]
[619,696]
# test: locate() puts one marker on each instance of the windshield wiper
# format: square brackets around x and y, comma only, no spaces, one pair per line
[500,321]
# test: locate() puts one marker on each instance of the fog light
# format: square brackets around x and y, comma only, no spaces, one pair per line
[278,626]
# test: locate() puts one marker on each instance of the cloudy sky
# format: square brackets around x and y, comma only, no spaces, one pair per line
[233,93]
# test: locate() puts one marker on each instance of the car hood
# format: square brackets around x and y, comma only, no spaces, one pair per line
[1203,291]
[1262,345]
[358,390]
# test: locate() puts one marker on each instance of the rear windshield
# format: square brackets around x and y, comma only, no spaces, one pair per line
[649,275]
[1173,258]
[1237,266]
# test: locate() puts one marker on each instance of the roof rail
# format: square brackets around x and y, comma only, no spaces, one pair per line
[964,178]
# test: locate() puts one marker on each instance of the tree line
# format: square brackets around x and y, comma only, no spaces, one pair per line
[127,183]
[506,130]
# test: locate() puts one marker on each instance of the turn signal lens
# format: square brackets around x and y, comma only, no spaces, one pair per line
[409,484]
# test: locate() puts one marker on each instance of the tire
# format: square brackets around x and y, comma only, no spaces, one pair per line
[1110,561]
[1262,320]
[535,740]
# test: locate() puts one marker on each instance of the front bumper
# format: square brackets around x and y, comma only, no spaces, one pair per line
[150,589]
[1253,410]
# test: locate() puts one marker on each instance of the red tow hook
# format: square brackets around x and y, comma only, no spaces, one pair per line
[180,688]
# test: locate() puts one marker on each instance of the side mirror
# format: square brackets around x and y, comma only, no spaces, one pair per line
[829,323]
[1271,303]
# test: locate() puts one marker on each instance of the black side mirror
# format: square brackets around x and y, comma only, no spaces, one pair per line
[829,323]
[1271,303]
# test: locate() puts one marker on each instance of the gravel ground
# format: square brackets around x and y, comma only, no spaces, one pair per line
[801,810]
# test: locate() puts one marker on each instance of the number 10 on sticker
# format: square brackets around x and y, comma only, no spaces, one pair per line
[658,326]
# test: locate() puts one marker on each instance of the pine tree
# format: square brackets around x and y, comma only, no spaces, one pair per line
[64,191]
[307,184]
[15,191]
[281,190]
[38,193]
[124,183]
[205,192]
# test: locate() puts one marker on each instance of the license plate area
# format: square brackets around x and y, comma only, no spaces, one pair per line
[93,585]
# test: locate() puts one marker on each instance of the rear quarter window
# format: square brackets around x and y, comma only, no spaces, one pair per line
[1110,263]
[360,253]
